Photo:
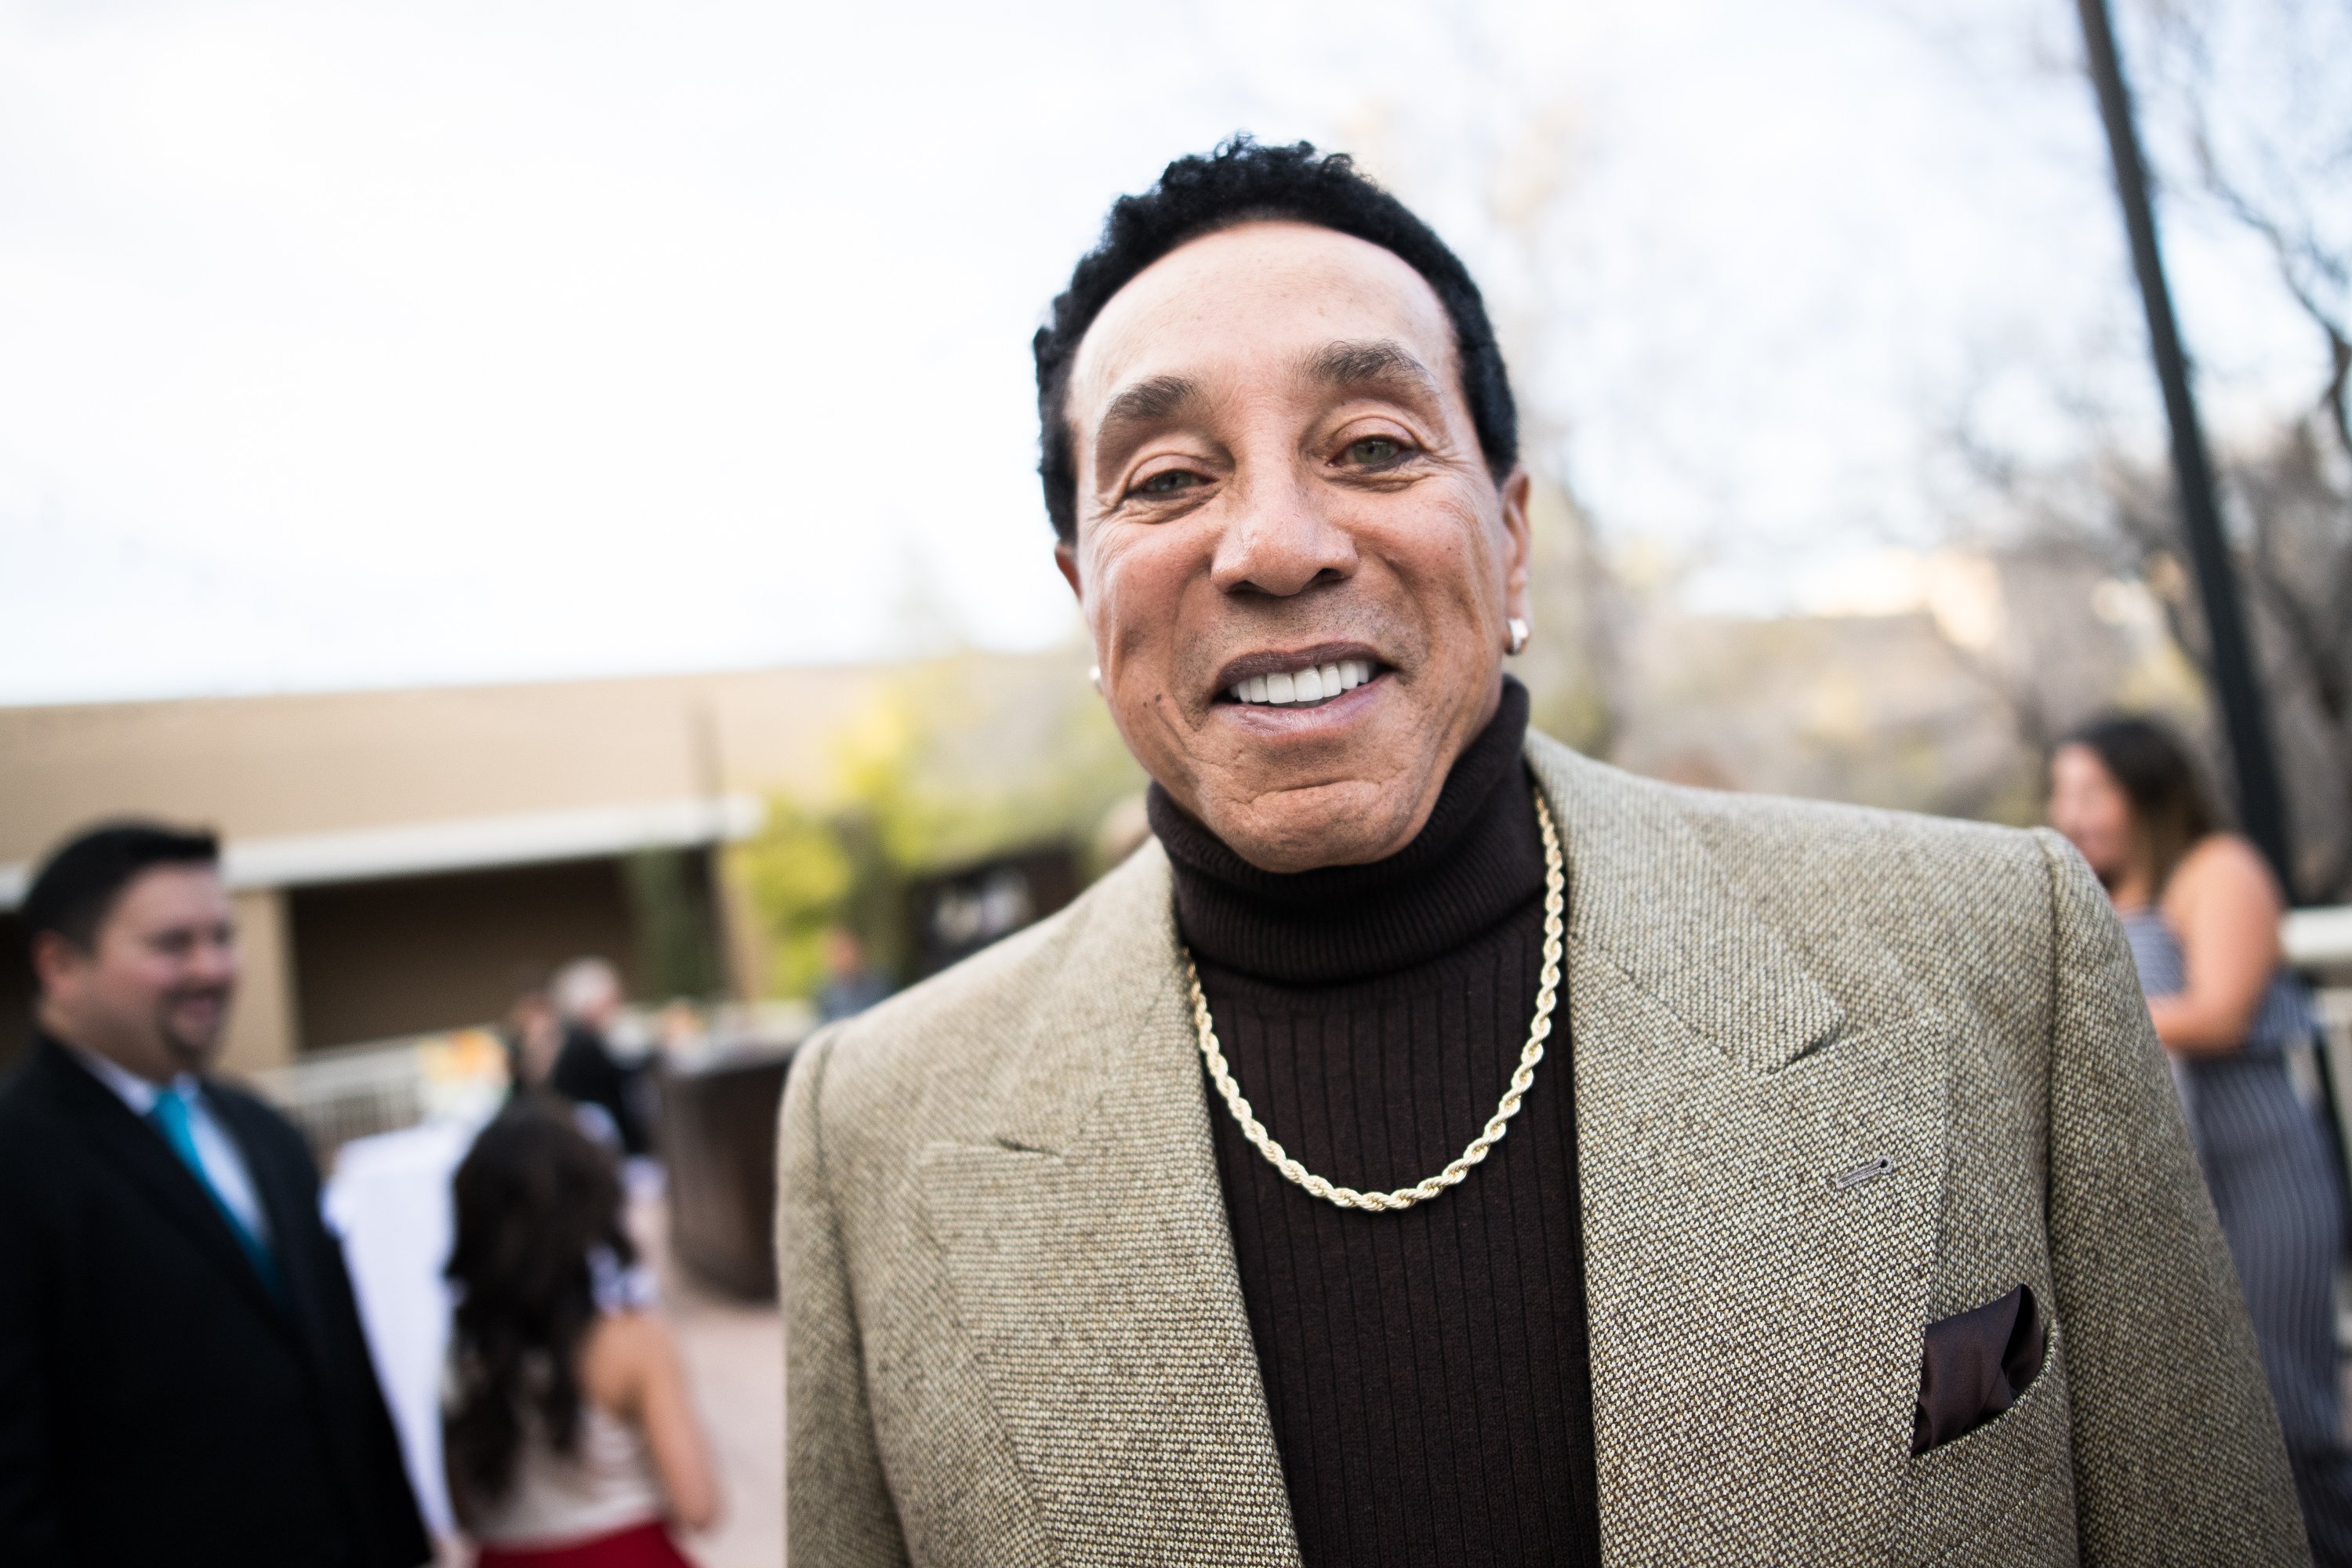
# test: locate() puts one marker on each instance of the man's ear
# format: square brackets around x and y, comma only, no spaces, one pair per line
[1519,553]
[55,957]
[1066,556]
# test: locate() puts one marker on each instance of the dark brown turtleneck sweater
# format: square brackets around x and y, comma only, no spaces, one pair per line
[1427,1371]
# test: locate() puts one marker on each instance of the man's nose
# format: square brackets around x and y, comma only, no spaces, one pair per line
[1281,542]
[214,961]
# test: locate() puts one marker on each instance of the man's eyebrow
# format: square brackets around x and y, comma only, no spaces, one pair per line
[1377,363]
[1139,409]
[1149,402]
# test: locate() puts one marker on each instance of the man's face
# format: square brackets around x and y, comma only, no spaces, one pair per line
[152,992]
[1277,473]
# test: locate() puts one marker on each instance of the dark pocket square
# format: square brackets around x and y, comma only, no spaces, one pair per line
[1974,1365]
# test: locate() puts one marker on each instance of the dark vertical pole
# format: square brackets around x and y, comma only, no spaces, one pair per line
[2262,809]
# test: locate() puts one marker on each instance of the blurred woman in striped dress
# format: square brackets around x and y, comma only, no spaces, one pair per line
[2201,911]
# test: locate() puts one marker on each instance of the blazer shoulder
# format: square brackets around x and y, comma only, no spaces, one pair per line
[1778,826]
[16,1092]
[29,1121]
[37,1094]
[1938,895]
[938,1056]
[1858,837]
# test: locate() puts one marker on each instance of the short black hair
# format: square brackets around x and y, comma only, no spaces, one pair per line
[78,884]
[1239,183]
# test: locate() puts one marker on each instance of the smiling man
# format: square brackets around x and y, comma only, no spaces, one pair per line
[182,1375]
[1438,1148]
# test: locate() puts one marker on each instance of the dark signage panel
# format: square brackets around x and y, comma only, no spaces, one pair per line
[953,915]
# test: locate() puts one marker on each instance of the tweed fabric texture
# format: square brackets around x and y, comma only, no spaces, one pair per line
[1014,1332]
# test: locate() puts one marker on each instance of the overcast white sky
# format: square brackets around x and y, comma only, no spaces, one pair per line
[363,345]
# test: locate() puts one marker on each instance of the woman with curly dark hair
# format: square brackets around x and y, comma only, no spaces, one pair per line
[569,1438]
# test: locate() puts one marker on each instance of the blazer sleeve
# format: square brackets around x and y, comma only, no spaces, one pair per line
[32,1533]
[2177,1456]
[837,1506]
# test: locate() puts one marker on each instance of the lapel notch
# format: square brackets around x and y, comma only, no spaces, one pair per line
[294,1228]
[1092,1264]
[1646,895]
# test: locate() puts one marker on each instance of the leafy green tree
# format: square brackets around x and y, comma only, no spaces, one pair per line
[959,759]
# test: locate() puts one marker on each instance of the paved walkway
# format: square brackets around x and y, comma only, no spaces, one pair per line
[735,1358]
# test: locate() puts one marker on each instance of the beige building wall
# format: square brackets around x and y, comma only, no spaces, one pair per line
[261,1029]
[409,954]
[335,958]
[263,767]
[740,935]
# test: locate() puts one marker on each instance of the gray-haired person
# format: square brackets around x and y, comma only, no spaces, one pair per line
[1439,1148]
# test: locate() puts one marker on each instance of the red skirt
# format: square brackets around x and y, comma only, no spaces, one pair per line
[646,1545]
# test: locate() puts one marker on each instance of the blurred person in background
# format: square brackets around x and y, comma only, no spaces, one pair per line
[588,999]
[1845,1215]
[533,1037]
[184,1376]
[2201,911]
[570,1437]
[850,987]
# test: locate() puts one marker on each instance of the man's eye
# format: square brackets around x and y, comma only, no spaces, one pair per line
[1167,482]
[1375,452]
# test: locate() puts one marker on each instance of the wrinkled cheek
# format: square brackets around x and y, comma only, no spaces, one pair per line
[1143,625]
[1453,568]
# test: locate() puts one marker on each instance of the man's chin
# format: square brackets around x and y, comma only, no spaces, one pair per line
[1349,823]
[193,1046]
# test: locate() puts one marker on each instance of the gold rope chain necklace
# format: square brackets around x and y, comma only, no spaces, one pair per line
[1547,995]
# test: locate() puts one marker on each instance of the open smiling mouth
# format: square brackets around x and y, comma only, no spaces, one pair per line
[1307,687]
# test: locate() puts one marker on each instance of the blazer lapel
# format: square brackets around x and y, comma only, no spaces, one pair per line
[294,1229]
[1761,1181]
[1093,1268]
[141,1155]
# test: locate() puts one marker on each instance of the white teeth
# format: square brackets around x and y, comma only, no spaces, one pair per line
[1317,683]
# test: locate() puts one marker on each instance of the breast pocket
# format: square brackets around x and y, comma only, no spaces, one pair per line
[2001,1495]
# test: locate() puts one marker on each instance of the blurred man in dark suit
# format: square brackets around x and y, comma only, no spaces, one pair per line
[613,1092]
[184,1378]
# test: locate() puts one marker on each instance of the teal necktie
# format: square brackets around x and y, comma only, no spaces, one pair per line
[170,1115]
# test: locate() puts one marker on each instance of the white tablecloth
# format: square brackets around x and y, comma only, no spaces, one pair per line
[389,1199]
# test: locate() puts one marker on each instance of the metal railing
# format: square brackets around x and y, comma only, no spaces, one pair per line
[351,1092]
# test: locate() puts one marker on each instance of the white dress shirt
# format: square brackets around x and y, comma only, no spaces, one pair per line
[223,1163]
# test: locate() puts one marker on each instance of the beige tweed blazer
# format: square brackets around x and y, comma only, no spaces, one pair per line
[1014,1334]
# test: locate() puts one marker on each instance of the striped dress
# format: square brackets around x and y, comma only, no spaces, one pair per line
[2269,1162]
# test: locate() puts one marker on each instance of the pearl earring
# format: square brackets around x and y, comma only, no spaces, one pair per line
[1093,673]
[1519,630]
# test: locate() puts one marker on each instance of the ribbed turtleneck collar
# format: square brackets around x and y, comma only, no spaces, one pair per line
[1475,863]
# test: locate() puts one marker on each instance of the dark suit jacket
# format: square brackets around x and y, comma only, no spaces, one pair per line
[157,1403]
[587,1073]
